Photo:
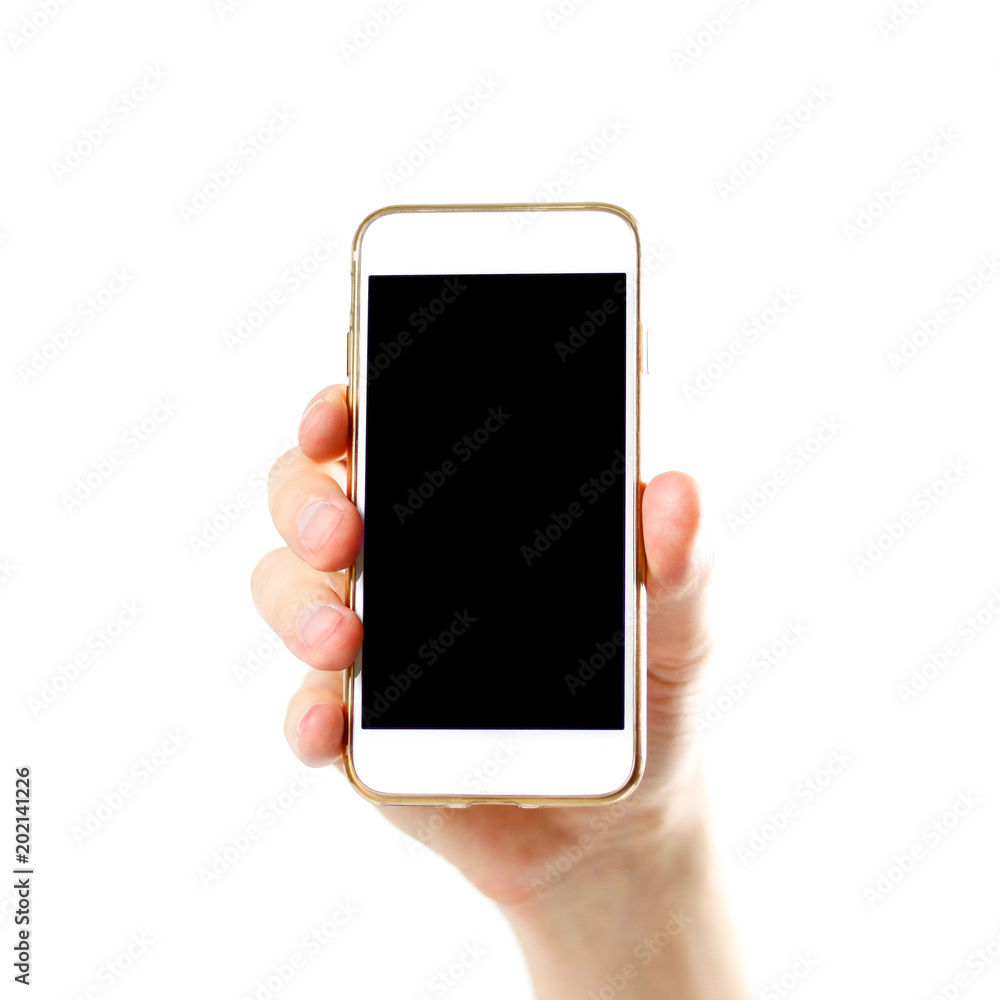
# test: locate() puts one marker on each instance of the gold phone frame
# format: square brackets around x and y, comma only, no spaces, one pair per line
[353,358]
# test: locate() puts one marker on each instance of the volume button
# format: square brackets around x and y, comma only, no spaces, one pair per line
[350,350]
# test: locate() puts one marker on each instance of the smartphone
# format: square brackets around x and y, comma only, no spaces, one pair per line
[495,360]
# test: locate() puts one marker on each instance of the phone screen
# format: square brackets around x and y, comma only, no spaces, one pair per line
[494,502]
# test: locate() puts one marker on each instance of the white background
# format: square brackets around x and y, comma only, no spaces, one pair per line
[234,410]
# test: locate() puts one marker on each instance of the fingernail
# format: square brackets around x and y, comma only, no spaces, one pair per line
[320,622]
[317,523]
[309,410]
[305,715]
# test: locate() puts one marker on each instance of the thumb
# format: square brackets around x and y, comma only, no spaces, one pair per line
[678,566]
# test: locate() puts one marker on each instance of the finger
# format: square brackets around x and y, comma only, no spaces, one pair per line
[314,723]
[677,570]
[311,513]
[324,430]
[306,608]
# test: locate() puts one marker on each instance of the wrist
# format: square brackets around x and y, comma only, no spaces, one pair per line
[639,907]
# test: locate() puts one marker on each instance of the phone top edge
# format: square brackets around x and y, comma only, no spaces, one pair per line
[514,206]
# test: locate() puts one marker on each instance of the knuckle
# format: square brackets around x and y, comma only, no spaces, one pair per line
[281,466]
[261,576]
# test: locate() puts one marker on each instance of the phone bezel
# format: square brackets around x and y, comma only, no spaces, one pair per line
[546,767]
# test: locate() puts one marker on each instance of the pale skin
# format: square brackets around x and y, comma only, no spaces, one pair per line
[623,899]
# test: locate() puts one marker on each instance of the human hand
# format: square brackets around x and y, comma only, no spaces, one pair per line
[535,863]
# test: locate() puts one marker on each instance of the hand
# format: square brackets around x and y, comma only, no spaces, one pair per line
[540,865]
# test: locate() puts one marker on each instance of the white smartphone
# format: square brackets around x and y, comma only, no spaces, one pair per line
[495,365]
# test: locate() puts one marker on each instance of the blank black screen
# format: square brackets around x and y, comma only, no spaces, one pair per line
[495,502]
